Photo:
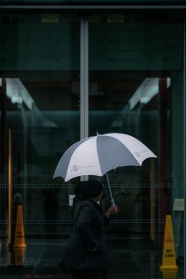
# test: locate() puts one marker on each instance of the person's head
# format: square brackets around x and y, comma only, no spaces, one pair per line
[92,189]
[78,186]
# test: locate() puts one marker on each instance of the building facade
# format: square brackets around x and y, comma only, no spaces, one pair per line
[69,70]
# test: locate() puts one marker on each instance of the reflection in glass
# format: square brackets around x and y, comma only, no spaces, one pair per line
[133,87]
[41,107]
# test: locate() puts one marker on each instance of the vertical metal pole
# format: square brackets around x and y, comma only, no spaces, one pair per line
[110,191]
[9,185]
[152,200]
[24,122]
[84,74]
[84,81]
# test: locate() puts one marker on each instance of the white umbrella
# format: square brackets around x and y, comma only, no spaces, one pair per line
[99,154]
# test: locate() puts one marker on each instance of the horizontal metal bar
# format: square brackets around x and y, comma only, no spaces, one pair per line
[92,7]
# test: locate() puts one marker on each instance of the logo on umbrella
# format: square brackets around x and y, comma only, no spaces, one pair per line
[76,167]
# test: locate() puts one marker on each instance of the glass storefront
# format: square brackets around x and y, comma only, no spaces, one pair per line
[40,86]
[135,88]
[49,99]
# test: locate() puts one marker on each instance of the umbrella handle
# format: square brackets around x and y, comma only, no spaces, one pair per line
[112,200]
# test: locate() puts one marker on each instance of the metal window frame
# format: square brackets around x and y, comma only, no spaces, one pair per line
[84,78]
[184,132]
[98,7]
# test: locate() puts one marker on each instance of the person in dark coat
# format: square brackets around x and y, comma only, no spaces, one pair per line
[86,255]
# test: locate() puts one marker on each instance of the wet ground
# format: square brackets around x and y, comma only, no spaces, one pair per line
[40,259]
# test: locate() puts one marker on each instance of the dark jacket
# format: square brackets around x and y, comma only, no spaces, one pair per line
[87,232]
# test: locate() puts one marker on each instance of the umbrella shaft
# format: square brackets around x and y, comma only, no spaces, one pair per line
[112,200]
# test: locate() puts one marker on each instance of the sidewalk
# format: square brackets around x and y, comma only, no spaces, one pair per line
[41,257]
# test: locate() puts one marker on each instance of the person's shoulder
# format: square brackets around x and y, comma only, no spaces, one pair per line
[91,205]
[85,203]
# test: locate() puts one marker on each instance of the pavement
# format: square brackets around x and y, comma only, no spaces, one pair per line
[40,258]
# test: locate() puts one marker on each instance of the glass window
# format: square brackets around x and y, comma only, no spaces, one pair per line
[40,106]
[136,88]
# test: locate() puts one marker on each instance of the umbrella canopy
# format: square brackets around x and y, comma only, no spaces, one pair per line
[99,154]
